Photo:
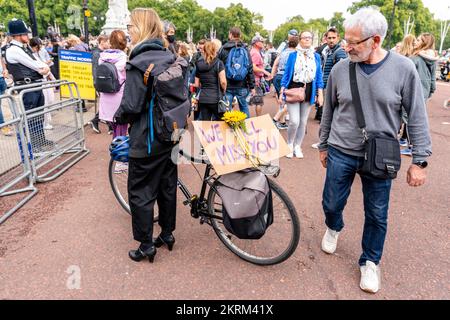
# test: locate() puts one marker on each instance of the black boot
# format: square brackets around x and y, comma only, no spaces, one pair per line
[168,240]
[143,252]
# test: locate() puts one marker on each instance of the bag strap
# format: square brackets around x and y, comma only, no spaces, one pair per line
[147,73]
[357,100]
[219,88]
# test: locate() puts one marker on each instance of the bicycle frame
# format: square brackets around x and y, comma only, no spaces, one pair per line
[198,203]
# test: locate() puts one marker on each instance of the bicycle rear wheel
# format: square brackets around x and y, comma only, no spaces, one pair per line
[281,238]
[118,178]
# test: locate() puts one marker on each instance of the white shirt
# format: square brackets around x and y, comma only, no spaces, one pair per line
[14,54]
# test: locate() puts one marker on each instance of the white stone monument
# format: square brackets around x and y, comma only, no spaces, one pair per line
[117,16]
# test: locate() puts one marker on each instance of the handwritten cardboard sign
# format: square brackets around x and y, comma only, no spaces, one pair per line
[224,151]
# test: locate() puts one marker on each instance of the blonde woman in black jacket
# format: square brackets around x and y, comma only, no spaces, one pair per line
[152,175]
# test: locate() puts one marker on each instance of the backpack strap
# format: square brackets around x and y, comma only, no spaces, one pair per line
[147,73]
[151,129]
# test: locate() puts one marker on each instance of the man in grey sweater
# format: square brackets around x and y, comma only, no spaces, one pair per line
[386,82]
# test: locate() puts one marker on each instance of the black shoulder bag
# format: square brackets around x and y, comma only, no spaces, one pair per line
[382,153]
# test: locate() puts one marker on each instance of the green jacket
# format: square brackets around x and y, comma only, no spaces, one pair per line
[425,64]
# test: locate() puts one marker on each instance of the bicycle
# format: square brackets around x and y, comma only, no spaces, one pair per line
[277,245]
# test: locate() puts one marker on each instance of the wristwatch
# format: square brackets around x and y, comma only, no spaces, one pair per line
[421,164]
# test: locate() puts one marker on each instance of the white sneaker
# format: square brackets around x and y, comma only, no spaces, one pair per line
[370,277]
[329,241]
[298,152]
[315,145]
[290,155]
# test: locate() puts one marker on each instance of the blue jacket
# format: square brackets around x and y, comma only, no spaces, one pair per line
[289,74]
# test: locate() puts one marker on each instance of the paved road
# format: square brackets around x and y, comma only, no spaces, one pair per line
[74,224]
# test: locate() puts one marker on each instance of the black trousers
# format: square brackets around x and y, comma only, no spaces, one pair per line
[209,112]
[33,100]
[149,180]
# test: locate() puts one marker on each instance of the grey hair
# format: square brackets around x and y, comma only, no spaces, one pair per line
[370,20]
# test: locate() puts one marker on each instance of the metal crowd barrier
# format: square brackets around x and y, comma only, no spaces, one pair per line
[46,154]
[66,137]
[16,174]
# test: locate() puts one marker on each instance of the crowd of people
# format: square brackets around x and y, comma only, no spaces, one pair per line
[395,87]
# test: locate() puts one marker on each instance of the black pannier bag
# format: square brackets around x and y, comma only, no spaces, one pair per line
[246,202]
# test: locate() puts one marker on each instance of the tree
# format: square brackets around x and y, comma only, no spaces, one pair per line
[55,11]
[337,21]
[424,20]
[68,15]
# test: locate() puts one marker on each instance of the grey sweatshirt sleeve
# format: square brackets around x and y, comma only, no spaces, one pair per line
[327,115]
[418,127]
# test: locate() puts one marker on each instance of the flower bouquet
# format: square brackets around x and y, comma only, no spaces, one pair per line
[236,120]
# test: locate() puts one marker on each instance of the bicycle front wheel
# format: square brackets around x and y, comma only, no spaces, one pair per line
[280,240]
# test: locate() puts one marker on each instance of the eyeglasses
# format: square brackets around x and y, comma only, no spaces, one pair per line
[352,44]
[306,38]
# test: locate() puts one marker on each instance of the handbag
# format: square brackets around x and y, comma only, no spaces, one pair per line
[381,152]
[295,95]
[223,105]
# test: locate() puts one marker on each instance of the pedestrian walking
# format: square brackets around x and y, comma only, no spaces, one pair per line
[303,72]
[102,45]
[278,69]
[260,73]
[211,80]
[386,81]
[239,70]
[110,102]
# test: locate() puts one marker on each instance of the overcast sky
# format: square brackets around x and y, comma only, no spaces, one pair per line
[275,12]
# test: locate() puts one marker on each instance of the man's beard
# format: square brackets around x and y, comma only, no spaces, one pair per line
[358,58]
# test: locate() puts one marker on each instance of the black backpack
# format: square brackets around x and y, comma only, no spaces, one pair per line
[170,104]
[106,78]
[247,207]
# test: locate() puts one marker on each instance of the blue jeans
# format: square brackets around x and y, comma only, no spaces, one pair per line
[341,171]
[241,96]
[3,87]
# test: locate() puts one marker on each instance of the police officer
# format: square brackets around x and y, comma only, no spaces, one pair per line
[26,69]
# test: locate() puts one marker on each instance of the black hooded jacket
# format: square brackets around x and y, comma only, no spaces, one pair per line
[135,102]
[249,82]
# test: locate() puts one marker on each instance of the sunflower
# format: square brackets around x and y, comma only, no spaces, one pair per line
[235,119]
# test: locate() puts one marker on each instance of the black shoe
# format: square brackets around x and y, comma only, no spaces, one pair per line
[165,240]
[94,126]
[139,255]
